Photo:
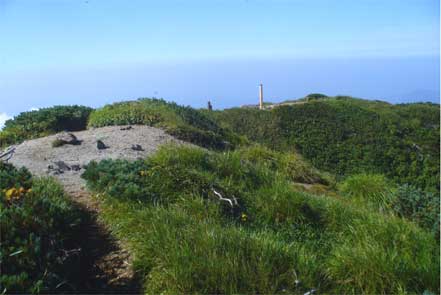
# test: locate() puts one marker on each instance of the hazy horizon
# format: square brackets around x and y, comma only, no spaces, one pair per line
[93,52]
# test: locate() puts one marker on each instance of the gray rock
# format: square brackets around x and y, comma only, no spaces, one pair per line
[61,165]
[58,168]
[137,147]
[67,138]
[75,167]
[55,172]
[100,145]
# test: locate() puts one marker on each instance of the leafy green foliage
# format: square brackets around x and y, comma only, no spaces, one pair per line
[43,122]
[348,136]
[186,240]
[11,177]
[185,123]
[419,206]
[36,223]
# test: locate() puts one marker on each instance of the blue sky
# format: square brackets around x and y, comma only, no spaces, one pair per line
[98,51]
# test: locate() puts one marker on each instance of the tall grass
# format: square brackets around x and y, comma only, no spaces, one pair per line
[276,239]
[373,190]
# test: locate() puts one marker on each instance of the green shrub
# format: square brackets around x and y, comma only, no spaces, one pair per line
[182,122]
[315,96]
[125,113]
[45,121]
[419,206]
[11,136]
[37,224]
[186,240]
[11,177]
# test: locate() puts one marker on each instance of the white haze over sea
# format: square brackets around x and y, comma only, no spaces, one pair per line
[3,118]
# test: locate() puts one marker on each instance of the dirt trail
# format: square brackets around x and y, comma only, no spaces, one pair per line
[106,262]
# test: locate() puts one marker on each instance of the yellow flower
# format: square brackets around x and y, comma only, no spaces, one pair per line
[244,217]
[14,194]
[10,193]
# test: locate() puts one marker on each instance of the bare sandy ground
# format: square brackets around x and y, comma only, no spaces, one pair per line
[41,158]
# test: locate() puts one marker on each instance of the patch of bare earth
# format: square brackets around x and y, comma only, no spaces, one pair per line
[106,263]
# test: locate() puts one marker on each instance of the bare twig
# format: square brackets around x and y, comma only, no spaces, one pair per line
[231,202]
[7,155]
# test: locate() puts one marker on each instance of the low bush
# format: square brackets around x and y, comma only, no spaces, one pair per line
[11,177]
[42,122]
[187,240]
[419,206]
[315,96]
[37,226]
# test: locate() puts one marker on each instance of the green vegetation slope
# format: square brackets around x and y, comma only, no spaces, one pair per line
[267,238]
[346,136]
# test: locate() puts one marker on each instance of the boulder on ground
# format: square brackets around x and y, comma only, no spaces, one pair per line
[100,145]
[137,147]
[62,166]
[58,167]
[75,167]
[66,138]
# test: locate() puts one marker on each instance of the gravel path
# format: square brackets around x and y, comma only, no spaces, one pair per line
[107,262]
